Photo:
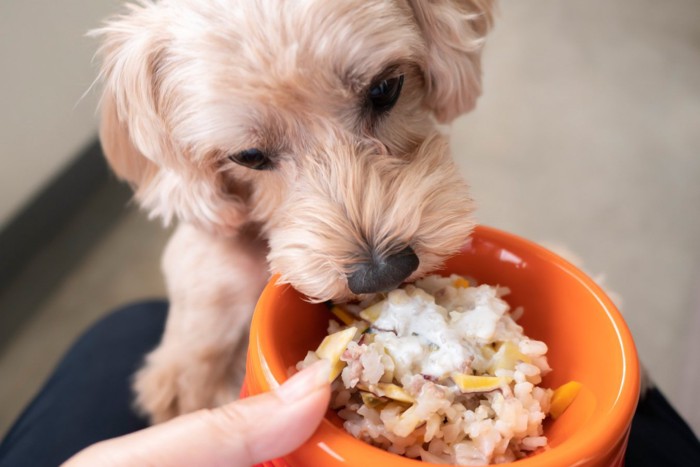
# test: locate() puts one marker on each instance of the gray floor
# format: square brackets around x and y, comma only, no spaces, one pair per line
[122,266]
[588,136]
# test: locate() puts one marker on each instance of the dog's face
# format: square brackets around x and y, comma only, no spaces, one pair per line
[314,119]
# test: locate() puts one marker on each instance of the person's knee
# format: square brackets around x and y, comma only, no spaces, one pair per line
[138,317]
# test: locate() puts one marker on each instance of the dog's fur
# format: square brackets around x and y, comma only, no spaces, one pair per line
[189,82]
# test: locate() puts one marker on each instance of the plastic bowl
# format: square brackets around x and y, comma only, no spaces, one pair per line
[587,338]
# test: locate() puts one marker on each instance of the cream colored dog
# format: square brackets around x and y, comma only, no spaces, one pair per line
[296,137]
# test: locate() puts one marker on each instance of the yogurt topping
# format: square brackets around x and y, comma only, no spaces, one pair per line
[435,329]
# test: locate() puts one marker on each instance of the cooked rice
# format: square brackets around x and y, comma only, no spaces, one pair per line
[420,337]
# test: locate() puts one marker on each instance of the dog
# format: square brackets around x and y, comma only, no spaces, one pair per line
[301,138]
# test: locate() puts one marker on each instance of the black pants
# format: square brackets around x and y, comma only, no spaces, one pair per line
[87,399]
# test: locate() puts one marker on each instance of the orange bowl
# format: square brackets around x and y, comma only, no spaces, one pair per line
[587,338]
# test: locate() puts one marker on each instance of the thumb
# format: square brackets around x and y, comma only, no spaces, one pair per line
[241,433]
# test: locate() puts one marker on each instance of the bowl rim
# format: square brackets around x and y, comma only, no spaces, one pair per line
[599,438]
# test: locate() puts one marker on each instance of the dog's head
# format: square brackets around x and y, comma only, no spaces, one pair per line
[315,119]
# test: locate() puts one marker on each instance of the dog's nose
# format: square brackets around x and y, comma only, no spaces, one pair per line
[381,275]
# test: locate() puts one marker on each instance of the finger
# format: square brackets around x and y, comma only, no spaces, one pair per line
[242,433]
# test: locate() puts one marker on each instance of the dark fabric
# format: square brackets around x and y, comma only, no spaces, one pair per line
[660,437]
[88,399]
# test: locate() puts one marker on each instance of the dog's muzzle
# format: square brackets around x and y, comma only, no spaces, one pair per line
[383,274]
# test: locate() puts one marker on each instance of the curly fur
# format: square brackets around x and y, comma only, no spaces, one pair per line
[189,82]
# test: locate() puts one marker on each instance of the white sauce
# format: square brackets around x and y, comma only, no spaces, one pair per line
[436,339]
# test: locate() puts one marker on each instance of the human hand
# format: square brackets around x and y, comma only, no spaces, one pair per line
[241,433]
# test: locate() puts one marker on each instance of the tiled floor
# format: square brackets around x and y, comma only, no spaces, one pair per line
[587,136]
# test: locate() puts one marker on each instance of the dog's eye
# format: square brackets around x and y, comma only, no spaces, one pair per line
[384,94]
[252,158]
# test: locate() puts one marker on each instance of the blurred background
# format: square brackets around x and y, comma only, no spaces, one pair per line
[587,137]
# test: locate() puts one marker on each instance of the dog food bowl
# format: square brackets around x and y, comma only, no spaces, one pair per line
[587,338]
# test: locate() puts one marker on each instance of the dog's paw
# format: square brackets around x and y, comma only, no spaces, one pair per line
[169,385]
[156,390]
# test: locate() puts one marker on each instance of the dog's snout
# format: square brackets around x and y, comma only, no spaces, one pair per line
[383,274]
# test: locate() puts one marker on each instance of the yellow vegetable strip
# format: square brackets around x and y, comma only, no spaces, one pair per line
[333,347]
[562,398]
[344,316]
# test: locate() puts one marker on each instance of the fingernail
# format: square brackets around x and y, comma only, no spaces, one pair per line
[305,382]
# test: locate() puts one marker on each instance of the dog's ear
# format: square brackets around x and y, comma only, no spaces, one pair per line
[126,161]
[454,32]
[132,131]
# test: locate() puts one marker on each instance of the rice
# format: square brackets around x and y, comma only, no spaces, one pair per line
[440,371]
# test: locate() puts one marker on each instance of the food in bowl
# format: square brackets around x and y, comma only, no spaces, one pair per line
[587,340]
[440,370]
